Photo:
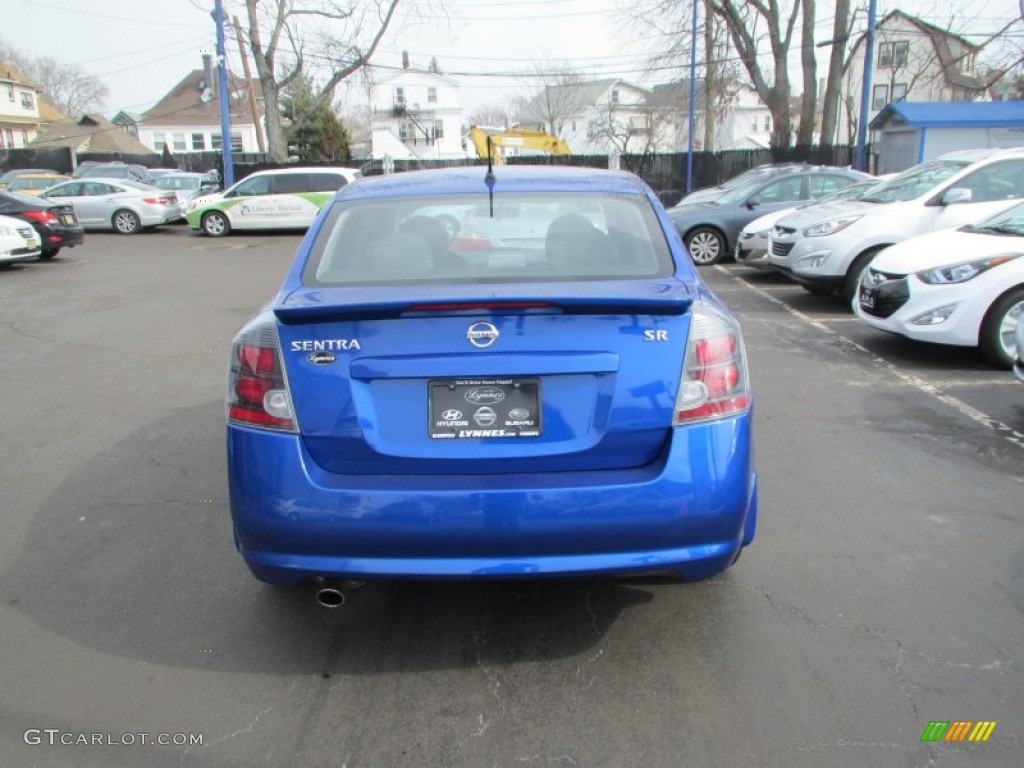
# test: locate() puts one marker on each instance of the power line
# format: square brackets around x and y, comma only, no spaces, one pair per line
[37,3]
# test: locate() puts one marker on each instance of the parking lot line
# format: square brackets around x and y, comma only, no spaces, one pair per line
[931,389]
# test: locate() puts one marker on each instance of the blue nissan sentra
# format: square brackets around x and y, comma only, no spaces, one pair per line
[476,375]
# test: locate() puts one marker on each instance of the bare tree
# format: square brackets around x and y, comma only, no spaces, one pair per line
[836,66]
[558,98]
[67,87]
[493,115]
[349,33]
[636,131]
[809,66]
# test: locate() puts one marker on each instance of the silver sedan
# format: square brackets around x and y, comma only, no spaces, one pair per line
[119,204]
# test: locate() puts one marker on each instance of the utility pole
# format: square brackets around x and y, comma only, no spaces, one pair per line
[253,107]
[859,160]
[225,97]
[693,100]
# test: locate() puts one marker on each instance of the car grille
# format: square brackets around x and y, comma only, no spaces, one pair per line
[890,292]
[781,249]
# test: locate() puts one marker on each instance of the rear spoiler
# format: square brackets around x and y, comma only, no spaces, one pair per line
[653,297]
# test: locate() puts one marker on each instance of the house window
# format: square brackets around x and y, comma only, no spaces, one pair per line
[879,96]
[768,123]
[403,131]
[199,141]
[967,63]
[26,100]
[24,138]
[893,55]
[10,92]
[755,123]
[438,129]
[615,97]
[399,97]
[432,95]
[215,142]
[158,142]
[179,142]
[899,92]
[236,142]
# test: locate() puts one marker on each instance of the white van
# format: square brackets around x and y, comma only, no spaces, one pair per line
[826,247]
[285,198]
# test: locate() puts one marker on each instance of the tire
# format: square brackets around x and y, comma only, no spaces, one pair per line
[215,224]
[706,246]
[48,253]
[126,222]
[851,282]
[995,340]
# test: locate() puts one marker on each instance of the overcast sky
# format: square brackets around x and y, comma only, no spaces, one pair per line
[141,48]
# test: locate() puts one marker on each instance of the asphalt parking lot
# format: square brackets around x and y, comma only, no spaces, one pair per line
[885,589]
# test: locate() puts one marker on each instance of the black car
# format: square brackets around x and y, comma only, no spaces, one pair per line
[56,224]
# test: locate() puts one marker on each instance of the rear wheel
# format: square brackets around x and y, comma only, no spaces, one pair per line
[215,224]
[996,339]
[706,246]
[48,253]
[126,222]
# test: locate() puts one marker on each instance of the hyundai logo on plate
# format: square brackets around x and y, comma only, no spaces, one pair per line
[451,415]
[482,334]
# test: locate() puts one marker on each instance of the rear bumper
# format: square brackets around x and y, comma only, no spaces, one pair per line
[689,511]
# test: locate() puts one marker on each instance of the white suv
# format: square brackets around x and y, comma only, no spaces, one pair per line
[826,247]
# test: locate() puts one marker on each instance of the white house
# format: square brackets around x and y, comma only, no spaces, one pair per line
[22,110]
[416,114]
[187,119]
[913,61]
[614,116]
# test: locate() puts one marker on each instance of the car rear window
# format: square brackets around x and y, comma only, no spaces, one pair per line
[522,237]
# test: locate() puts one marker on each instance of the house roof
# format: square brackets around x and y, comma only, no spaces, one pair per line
[571,98]
[183,104]
[400,73]
[91,133]
[951,114]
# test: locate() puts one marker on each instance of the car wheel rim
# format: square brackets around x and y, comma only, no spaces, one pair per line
[215,225]
[1008,329]
[704,248]
[125,222]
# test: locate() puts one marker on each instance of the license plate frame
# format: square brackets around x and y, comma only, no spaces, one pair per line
[475,408]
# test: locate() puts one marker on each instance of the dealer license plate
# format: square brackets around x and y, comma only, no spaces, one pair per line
[479,408]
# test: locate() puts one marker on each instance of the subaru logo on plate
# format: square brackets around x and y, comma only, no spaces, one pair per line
[519,413]
[482,334]
[478,395]
[451,415]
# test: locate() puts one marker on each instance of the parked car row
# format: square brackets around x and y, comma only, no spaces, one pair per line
[935,253]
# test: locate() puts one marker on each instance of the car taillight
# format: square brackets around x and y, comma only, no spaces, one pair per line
[258,394]
[714,381]
[43,217]
[472,244]
[160,200]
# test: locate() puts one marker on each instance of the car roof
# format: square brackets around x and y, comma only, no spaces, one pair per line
[303,169]
[470,179]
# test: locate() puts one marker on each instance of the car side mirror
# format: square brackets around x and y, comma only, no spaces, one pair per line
[957,195]
[753,202]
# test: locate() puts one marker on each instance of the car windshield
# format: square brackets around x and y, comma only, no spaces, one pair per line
[529,237]
[915,181]
[1009,222]
[178,182]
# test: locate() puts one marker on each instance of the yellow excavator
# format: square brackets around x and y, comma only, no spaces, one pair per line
[514,137]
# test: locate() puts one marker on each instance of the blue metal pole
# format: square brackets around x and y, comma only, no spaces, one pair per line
[693,99]
[225,98]
[859,161]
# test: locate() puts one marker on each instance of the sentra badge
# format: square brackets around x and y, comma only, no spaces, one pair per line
[325,345]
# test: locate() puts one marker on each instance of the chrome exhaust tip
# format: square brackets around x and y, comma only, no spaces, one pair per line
[330,597]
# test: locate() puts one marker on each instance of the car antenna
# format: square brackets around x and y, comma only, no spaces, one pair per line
[489,177]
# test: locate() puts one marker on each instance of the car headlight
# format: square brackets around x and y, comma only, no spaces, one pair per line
[961,273]
[830,226]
